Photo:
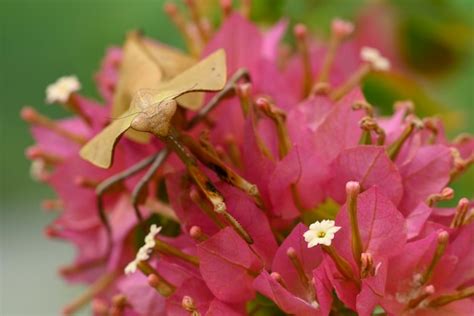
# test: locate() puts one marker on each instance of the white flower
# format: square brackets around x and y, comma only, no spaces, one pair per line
[145,250]
[37,169]
[321,233]
[373,57]
[150,238]
[60,91]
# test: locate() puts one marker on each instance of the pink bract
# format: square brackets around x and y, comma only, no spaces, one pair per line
[276,164]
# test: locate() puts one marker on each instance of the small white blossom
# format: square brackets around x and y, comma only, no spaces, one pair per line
[368,53]
[59,91]
[373,57]
[150,238]
[145,250]
[37,169]
[320,233]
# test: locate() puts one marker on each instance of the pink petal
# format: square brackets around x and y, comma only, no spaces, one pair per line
[372,290]
[466,148]
[272,38]
[189,214]
[308,114]
[340,129]
[257,167]
[402,267]
[241,40]
[287,301]
[252,219]
[366,301]
[458,308]
[287,172]
[381,225]
[394,124]
[107,76]
[309,257]
[98,114]
[427,173]
[303,168]
[228,120]
[346,290]
[247,48]
[53,143]
[218,308]
[458,255]
[145,299]
[417,219]
[194,288]
[369,165]
[226,269]
[323,289]
[80,204]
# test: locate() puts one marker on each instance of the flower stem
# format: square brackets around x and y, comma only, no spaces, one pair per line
[168,249]
[162,286]
[341,264]
[449,298]
[97,287]
[353,189]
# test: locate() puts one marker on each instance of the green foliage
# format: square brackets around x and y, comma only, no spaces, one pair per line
[262,306]
[326,210]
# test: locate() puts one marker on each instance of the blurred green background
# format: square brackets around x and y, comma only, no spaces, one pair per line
[43,40]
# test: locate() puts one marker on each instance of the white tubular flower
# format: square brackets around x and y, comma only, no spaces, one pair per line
[150,238]
[374,58]
[368,54]
[321,233]
[37,169]
[144,251]
[59,91]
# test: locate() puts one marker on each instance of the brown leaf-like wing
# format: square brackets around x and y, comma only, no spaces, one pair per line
[100,149]
[138,70]
[210,74]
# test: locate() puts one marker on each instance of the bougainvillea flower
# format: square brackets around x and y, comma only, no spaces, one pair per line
[143,298]
[310,126]
[372,230]
[426,173]
[434,279]
[235,34]
[194,296]
[369,165]
[291,285]
[228,272]
[108,74]
[281,191]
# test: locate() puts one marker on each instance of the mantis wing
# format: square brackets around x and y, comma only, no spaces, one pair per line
[100,149]
[210,74]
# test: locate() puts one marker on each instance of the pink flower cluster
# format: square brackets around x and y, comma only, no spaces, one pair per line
[328,207]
